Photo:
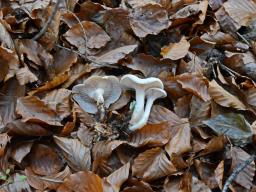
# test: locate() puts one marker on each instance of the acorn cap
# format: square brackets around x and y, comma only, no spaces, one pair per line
[97,90]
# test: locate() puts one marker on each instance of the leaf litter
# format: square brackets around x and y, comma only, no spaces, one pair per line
[199,54]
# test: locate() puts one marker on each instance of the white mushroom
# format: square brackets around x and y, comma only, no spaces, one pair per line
[151,94]
[140,86]
[97,91]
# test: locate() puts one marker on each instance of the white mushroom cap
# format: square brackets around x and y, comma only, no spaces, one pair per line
[151,94]
[97,90]
[140,86]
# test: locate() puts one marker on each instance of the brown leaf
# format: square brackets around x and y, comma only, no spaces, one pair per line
[245,177]
[199,186]
[175,51]
[20,150]
[149,65]
[4,140]
[24,76]
[241,11]
[32,109]
[76,154]
[46,182]
[180,143]
[96,37]
[219,174]
[63,60]
[59,101]
[19,128]
[152,164]
[224,98]
[199,110]
[5,37]
[182,106]
[148,19]
[113,56]
[44,160]
[250,95]
[196,84]
[117,178]
[85,135]
[55,82]
[83,181]
[151,135]
[214,145]
[10,91]
[9,63]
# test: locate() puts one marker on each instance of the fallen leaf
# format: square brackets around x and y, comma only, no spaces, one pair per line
[214,145]
[20,150]
[175,51]
[148,19]
[232,125]
[4,140]
[241,11]
[24,76]
[47,182]
[32,109]
[44,160]
[17,185]
[84,181]
[180,143]
[245,177]
[224,98]
[117,178]
[196,84]
[152,164]
[94,37]
[76,154]
[219,174]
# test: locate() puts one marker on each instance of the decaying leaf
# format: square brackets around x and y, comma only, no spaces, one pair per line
[76,154]
[232,125]
[32,109]
[152,164]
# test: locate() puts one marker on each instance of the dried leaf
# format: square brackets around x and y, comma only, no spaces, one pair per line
[24,76]
[245,177]
[196,84]
[180,143]
[241,11]
[96,37]
[84,181]
[224,98]
[117,178]
[17,185]
[148,19]
[219,173]
[152,164]
[175,51]
[20,150]
[76,154]
[32,109]
[232,125]
[4,140]
[214,145]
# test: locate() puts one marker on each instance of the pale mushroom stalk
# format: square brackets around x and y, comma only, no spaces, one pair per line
[144,119]
[152,94]
[139,105]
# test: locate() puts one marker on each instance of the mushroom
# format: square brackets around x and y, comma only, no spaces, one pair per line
[97,92]
[151,94]
[140,86]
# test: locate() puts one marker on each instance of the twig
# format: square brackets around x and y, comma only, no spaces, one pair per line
[48,22]
[245,40]
[71,50]
[237,170]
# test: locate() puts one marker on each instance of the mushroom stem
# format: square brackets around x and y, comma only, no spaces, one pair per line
[99,96]
[144,119]
[139,106]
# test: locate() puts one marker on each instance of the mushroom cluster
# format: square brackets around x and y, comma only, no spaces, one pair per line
[98,93]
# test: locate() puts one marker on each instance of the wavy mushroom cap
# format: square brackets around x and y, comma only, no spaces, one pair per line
[97,89]
[155,93]
[134,82]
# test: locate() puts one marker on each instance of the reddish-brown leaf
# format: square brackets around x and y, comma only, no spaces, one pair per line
[32,109]
[82,181]
[175,51]
[20,150]
[152,164]
[149,19]
[76,154]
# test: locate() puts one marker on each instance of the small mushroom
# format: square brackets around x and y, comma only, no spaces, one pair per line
[140,86]
[151,94]
[97,91]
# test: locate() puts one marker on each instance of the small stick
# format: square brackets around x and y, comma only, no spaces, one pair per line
[48,22]
[237,170]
